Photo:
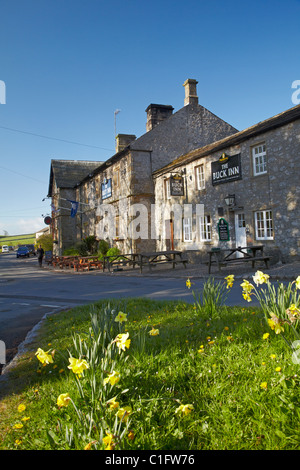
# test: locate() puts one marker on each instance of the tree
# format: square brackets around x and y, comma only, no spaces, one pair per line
[46,242]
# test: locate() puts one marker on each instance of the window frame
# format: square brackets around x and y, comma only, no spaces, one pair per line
[257,165]
[187,222]
[267,216]
[205,228]
[200,177]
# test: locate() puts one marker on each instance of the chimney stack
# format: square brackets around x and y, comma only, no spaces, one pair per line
[156,113]
[190,86]
[123,140]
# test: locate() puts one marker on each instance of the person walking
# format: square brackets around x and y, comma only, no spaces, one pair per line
[40,255]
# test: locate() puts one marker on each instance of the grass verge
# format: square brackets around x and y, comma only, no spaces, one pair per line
[242,391]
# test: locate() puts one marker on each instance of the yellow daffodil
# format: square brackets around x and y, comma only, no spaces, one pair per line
[108,441]
[26,418]
[43,357]
[230,280]
[78,365]
[122,341]
[188,284]
[264,385]
[18,442]
[184,409]
[63,399]
[266,336]
[278,369]
[121,317]
[273,356]
[113,404]
[89,445]
[112,378]
[260,278]
[298,282]
[275,324]
[124,413]
[21,408]
[154,332]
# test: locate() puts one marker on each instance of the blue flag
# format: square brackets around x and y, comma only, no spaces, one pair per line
[74,207]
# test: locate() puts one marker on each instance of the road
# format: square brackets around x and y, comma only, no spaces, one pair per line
[27,293]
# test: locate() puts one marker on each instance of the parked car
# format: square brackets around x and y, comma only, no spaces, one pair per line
[31,249]
[23,251]
[5,249]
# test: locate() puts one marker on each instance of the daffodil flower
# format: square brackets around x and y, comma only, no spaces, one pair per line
[124,413]
[108,441]
[63,399]
[78,365]
[112,378]
[230,280]
[188,284]
[43,357]
[260,278]
[113,404]
[121,317]
[122,341]
[275,324]
[298,282]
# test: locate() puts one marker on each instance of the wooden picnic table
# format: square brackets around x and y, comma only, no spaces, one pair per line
[226,256]
[121,259]
[88,262]
[161,257]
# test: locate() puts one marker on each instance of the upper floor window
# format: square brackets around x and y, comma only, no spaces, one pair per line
[167,188]
[259,158]
[200,177]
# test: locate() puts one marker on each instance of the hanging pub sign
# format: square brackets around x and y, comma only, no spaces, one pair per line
[226,169]
[176,186]
[47,220]
[106,189]
[223,230]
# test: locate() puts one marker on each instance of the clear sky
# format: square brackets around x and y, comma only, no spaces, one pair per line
[68,65]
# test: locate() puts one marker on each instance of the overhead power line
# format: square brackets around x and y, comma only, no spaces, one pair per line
[54,138]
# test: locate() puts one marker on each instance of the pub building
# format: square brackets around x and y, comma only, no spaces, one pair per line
[248,186]
[232,188]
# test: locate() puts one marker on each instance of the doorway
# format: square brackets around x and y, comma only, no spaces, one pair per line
[169,231]
[240,231]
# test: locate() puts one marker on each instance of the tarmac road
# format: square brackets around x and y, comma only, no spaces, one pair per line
[27,293]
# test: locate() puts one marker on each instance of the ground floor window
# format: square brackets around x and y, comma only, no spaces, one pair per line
[187,229]
[264,225]
[205,228]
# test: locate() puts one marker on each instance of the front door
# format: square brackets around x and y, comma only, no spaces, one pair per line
[240,231]
[169,234]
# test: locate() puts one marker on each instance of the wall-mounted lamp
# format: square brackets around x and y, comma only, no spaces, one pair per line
[230,200]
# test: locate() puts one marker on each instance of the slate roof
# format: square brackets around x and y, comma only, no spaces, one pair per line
[274,122]
[68,173]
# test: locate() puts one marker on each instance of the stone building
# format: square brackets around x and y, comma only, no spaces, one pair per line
[246,182]
[115,197]
[64,175]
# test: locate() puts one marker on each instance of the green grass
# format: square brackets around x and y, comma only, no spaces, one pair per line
[158,374]
[14,240]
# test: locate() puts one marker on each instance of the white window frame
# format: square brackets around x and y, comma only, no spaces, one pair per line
[187,229]
[259,159]
[264,225]
[204,222]
[200,176]
[168,188]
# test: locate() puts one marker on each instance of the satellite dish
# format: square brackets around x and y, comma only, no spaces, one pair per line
[47,220]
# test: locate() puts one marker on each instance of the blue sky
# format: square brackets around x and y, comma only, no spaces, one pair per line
[69,64]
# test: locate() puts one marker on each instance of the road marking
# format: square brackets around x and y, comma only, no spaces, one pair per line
[19,303]
[52,306]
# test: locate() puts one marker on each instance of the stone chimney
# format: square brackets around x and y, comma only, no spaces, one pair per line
[156,113]
[123,140]
[190,86]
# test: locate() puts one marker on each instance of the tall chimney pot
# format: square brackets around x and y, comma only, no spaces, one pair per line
[190,86]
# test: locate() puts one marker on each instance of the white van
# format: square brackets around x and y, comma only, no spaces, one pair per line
[5,249]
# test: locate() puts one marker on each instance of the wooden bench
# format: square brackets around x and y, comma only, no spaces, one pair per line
[161,257]
[222,259]
[120,260]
